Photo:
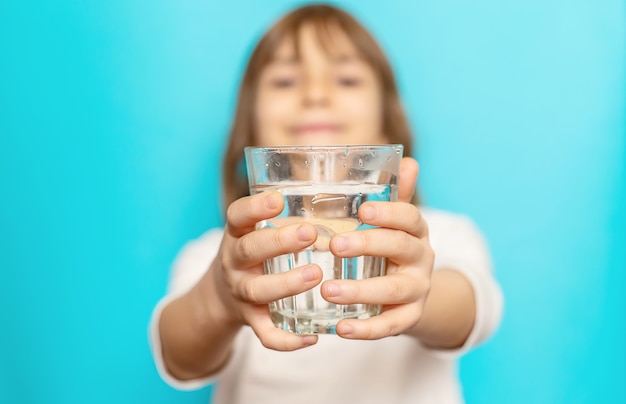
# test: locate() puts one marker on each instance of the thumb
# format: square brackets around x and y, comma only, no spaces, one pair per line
[407,178]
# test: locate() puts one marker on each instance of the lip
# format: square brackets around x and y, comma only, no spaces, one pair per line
[312,128]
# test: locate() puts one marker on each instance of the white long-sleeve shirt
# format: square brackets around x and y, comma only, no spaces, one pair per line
[335,370]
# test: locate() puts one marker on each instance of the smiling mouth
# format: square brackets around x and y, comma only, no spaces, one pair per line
[315,128]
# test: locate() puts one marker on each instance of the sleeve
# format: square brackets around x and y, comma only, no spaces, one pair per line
[459,244]
[191,263]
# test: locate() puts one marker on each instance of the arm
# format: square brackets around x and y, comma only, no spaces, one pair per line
[449,311]
[440,308]
[195,341]
[463,285]
[197,329]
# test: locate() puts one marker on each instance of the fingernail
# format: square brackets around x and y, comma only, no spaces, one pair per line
[340,243]
[271,201]
[345,329]
[304,233]
[309,340]
[368,212]
[309,274]
[332,290]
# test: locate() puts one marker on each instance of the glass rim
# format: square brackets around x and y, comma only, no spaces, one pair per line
[321,148]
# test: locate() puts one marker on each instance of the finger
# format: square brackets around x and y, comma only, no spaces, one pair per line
[400,247]
[394,215]
[396,288]
[243,214]
[268,288]
[409,170]
[257,246]
[390,322]
[275,338]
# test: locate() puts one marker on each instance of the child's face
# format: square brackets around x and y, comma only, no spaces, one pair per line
[324,98]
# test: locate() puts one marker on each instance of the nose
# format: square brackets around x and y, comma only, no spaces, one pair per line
[316,93]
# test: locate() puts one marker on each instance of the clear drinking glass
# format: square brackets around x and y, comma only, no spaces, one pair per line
[325,186]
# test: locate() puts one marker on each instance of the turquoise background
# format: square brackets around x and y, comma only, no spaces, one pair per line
[113,117]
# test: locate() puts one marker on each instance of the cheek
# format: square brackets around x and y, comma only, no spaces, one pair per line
[272,107]
[366,116]
[271,115]
[365,109]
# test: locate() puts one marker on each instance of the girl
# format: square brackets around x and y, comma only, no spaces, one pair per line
[318,77]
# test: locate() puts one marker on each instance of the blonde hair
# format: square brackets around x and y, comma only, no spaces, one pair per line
[323,18]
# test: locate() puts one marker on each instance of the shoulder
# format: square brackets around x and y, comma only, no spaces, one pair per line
[202,248]
[442,222]
[208,239]
[438,215]
[194,259]
[455,237]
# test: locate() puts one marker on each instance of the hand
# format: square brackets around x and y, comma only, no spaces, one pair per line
[238,280]
[402,237]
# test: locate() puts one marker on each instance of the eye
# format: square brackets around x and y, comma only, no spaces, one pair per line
[283,82]
[348,81]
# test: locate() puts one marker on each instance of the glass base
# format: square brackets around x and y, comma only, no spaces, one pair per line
[317,324]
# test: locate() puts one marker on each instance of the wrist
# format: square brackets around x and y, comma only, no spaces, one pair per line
[206,301]
[448,313]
